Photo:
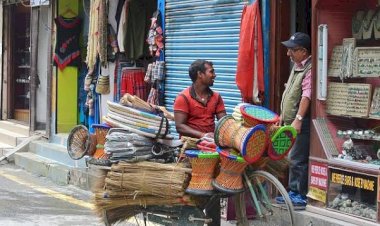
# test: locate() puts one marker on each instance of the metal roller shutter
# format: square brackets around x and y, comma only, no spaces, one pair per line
[199,29]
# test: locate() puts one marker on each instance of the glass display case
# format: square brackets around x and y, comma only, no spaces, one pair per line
[21,65]
[345,136]
[353,194]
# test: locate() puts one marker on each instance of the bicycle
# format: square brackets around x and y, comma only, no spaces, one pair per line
[261,188]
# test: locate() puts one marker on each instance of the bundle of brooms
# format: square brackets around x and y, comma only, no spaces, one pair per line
[129,187]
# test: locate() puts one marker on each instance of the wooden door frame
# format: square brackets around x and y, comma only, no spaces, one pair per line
[7,68]
[280,30]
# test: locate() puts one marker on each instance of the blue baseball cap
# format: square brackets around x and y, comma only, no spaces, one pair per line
[298,39]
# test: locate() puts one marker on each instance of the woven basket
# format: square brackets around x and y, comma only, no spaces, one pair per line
[254,115]
[78,142]
[229,179]
[101,131]
[203,166]
[250,142]
[281,142]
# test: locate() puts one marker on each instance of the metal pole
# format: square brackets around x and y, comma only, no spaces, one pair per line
[35,14]
[50,73]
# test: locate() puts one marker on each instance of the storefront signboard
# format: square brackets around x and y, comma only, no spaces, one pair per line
[318,181]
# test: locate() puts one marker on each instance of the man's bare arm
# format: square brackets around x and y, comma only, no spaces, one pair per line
[180,124]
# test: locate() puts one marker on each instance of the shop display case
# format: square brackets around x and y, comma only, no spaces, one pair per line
[21,67]
[345,136]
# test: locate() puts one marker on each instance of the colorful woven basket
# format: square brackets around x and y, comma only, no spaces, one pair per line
[254,115]
[206,146]
[250,142]
[229,179]
[101,131]
[203,166]
[281,142]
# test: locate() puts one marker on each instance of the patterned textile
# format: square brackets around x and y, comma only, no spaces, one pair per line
[102,33]
[97,38]
[67,49]
[158,71]
[155,37]
[117,79]
[132,82]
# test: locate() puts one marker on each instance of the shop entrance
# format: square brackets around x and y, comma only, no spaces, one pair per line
[16,79]
[288,17]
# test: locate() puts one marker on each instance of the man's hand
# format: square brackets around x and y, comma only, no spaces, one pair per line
[208,137]
[297,125]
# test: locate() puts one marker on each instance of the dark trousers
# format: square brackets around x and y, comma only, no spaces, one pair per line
[299,160]
[213,212]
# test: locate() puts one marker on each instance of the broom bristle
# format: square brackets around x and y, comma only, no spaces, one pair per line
[128,187]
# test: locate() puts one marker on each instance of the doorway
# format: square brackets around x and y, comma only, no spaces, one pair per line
[287,17]
[17,62]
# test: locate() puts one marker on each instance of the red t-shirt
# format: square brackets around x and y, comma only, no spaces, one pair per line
[200,116]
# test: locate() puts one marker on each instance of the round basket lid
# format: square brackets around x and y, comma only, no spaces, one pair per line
[258,113]
[281,142]
[192,153]
[254,144]
[78,142]
[230,154]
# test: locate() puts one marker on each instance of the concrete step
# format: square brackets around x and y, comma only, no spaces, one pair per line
[14,127]
[60,138]
[7,153]
[5,146]
[83,178]
[11,138]
[55,152]
[5,149]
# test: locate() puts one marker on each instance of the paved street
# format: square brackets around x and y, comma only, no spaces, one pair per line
[29,200]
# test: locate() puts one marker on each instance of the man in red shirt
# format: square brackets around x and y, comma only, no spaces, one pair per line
[195,109]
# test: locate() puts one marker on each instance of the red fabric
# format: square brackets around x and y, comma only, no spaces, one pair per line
[132,82]
[250,30]
[200,117]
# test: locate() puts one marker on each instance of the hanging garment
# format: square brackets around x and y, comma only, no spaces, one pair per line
[97,37]
[250,65]
[132,82]
[67,50]
[155,37]
[82,95]
[139,12]
[112,10]
[122,27]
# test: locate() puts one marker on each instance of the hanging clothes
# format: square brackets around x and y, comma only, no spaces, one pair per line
[67,51]
[139,12]
[250,65]
[132,82]
[122,27]
[97,38]
[112,9]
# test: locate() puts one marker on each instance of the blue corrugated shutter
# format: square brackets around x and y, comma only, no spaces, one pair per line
[199,29]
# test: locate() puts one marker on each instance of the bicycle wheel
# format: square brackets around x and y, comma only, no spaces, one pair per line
[154,216]
[265,187]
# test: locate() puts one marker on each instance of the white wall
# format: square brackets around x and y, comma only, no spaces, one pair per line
[42,67]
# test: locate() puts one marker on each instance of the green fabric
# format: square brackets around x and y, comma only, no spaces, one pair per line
[292,95]
[139,14]
[67,83]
